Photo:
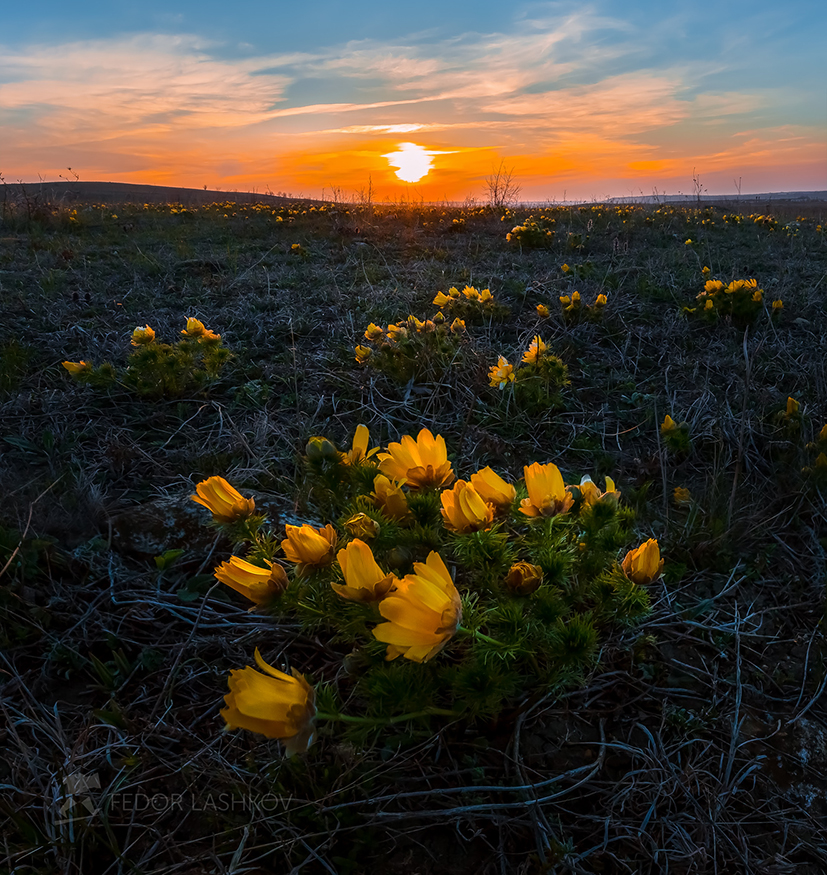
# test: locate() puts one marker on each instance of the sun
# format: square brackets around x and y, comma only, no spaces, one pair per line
[412,161]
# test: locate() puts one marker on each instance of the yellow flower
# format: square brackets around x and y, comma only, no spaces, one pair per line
[535,351]
[757,295]
[681,496]
[565,300]
[321,448]
[575,298]
[706,271]
[486,297]
[712,286]
[363,353]
[142,336]
[501,374]
[373,332]
[420,462]
[547,494]
[76,368]
[442,300]
[601,301]
[592,494]
[792,407]
[274,704]
[307,546]
[565,268]
[389,496]
[359,451]
[524,578]
[364,579]
[778,305]
[397,331]
[643,564]
[258,584]
[458,326]
[493,489]
[708,305]
[688,242]
[471,293]
[822,435]
[360,525]
[542,311]
[226,504]
[453,292]
[424,612]
[668,426]
[415,324]
[195,329]
[463,510]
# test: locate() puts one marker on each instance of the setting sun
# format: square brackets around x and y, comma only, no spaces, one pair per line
[412,161]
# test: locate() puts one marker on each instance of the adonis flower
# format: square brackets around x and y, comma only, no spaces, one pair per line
[457,326]
[542,311]
[643,564]
[76,368]
[591,492]
[547,494]
[421,462]
[423,612]
[359,451]
[226,503]
[524,578]
[396,331]
[373,332]
[360,525]
[668,426]
[142,336]
[443,301]
[309,547]
[534,353]
[258,584]
[389,496]
[364,579]
[274,704]
[501,374]
[195,330]
[493,489]
[464,510]
[363,353]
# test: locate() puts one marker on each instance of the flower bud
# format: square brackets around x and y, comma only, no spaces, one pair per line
[524,578]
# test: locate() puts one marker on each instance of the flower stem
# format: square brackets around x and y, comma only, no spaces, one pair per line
[386,721]
[480,636]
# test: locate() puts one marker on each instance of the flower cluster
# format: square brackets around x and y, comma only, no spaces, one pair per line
[419,564]
[537,381]
[741,300]
[161,369]
[573,309]
[533,233]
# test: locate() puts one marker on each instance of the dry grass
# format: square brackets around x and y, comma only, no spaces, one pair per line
[697,746]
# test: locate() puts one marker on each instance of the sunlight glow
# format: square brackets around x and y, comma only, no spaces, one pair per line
[413,162]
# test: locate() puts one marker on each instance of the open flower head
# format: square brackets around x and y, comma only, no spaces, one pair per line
[142,336]
[363,353]
[274,704]
[501,374]
[389,496]
[421,462]
[423,613]
[457,326]
[308,546]
[681,496]
[464,510]
[535,351]
[76,368]
[360,525]
[258,584]
[364,579]
[547,494]
[226,503]
[359,452]
[643,564]
[374,332]
[493,489]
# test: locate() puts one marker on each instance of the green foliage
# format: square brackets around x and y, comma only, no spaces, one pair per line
[534,233]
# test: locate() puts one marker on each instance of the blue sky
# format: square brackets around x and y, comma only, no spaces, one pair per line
[593,99]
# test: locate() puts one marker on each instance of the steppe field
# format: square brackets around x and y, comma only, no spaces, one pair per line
[570,616]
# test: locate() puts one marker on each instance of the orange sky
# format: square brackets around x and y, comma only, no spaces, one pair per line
[573,112]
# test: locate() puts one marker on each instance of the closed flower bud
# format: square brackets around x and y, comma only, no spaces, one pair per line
[258,584]
[542,311]
[226,504]
[643,564]
[524,578]
[360,525]
[390,498]
[463,510]
[320,448]
[668,426]
[681,496]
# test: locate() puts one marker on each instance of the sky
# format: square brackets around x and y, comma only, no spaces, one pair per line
[578,100]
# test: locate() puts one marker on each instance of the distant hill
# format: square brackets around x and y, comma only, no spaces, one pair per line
[126,192]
